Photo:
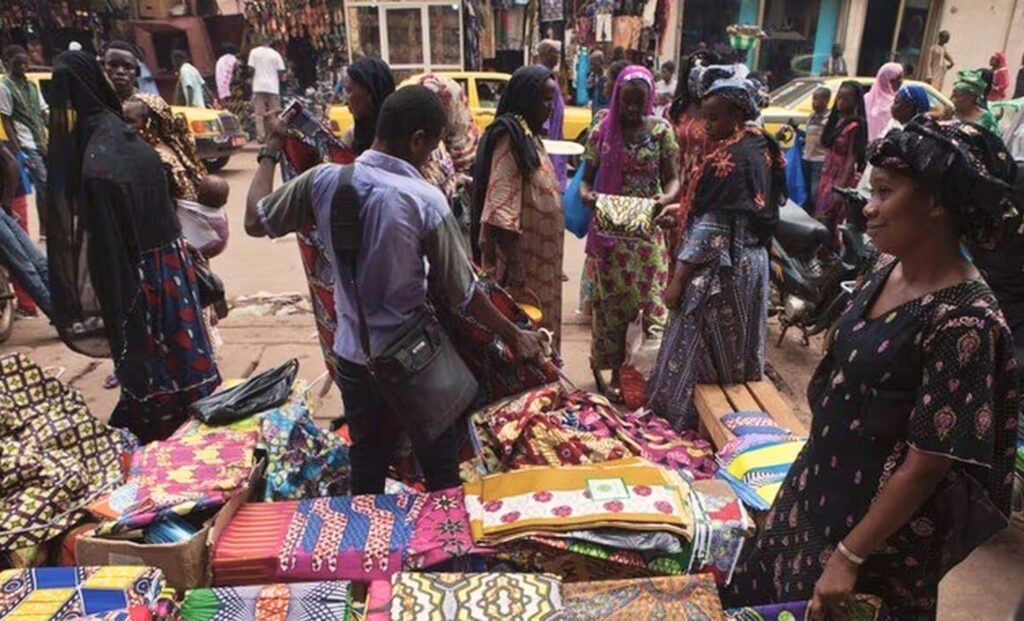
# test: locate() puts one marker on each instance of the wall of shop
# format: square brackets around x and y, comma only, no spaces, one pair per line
[980,27]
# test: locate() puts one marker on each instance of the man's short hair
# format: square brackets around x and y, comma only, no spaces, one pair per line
[179,55]
[669,66]
[230,48]
[409,110]
[122,46]
[13,50]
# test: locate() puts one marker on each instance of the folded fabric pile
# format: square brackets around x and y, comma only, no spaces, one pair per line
[303,461]
[757,460]
[680,598]
[359,538]
[198,468]
[466,597]
[55,458]
[862,608]
[630,494]
[722,527]
[548,426]
[79,592]
[278,602]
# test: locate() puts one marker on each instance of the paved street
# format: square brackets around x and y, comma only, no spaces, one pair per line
[267,327]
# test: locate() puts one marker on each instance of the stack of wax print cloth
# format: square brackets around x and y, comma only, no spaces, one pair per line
[174,485]
[860,608]
[755,462]
[95,593]
[303,460]
[299,601]
[55,459]
[550,426]
[356,538]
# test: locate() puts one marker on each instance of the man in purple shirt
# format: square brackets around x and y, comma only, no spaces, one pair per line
[411,243]
[549,53]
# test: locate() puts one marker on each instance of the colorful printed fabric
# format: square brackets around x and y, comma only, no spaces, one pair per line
[360,538]
[312,601]
[548,426]
[476,597]
[181,475]
[863,608]
[303,461]
[626,493]
[680,598]
[60,593]
[752,423]
[55,457]
[756,474]
[722,530]
[378,601]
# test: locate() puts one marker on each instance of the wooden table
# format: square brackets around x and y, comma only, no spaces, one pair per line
[715,401]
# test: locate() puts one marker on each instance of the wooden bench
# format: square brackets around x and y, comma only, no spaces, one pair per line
[715,401]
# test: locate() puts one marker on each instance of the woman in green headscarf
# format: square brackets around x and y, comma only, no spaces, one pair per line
[970,92]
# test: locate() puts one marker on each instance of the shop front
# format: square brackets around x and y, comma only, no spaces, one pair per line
[413,36]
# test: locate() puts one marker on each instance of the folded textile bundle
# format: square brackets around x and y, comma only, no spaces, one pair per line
[627,493]
[77,592]
[548,426]
[756,465]
[197,468]
[55,457]
[722,527]
[303,461]
[475,597]
[680,598]
[862,608]
[279,602]
[359,538]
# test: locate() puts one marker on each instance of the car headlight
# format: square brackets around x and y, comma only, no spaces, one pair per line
[206,127]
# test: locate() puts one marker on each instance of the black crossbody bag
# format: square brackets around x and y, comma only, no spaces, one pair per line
[418,372]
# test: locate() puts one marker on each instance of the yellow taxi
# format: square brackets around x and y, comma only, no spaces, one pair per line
[483,90]
[218,133]
[791,102]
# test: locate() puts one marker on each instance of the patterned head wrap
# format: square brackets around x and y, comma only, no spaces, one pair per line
[972,81]
[744,93]
[461,135]
[916,95]
[163,127]
[970,169]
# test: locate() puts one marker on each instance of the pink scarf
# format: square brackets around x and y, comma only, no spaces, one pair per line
[880,98]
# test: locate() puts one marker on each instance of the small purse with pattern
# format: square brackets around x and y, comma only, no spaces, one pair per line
[625,216]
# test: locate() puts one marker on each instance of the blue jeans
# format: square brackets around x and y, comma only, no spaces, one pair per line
[25,261]
[812,176]
[375,433]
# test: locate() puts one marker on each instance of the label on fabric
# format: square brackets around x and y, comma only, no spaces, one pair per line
[607,489]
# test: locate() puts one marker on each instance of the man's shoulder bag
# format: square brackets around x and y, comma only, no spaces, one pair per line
[418,372]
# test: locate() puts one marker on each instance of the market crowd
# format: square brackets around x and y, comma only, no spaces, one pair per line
[422,220]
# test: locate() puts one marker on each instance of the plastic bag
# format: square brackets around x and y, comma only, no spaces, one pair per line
[577,215]
[257,394]
[795,182]
[641,358]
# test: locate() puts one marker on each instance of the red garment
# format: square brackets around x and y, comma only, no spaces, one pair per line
[19,207]
[836,162]
[1000,77]
[693,144]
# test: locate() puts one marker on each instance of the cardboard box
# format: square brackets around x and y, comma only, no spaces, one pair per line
[186,564]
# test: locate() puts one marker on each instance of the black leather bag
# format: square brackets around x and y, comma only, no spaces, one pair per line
[211,287]
[418,372]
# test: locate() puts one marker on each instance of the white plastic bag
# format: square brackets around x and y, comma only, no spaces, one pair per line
[642,348]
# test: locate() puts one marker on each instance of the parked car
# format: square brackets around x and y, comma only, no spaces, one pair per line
[483,91]
[791,102]
[218,133]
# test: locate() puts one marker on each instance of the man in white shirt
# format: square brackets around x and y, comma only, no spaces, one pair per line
[191,85]
[223,71]
[267,66]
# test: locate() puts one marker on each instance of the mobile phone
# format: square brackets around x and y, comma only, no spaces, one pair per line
[292,109]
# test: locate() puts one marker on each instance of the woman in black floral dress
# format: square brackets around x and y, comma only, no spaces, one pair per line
[910,458]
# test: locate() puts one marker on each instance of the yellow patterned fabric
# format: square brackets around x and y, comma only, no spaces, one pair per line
[680,598]
[475,597]
[625,216]
[626,493]
[77,592]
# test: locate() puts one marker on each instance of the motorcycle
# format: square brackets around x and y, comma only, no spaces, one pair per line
[811,282]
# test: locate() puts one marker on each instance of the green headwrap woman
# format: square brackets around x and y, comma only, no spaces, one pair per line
[970,92]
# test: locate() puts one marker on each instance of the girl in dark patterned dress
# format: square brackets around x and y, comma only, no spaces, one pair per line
[910,458]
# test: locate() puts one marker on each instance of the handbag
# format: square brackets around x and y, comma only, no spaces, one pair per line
[211,287]
[625,216]
[259,393]
[577,215]
[417,372]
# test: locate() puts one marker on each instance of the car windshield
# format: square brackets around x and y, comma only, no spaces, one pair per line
[793,92]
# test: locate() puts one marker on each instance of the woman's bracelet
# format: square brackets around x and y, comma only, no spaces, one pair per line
[850,556]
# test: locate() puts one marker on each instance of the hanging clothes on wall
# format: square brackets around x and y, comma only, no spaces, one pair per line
[510,28]
[626,32]
[551,11]
[488,49]
[473,25]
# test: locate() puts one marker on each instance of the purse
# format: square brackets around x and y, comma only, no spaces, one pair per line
[211,287]
[418,372]
[625,216]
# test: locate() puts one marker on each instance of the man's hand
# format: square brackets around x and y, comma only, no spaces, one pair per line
[834,589]
[277,130]
[527,345]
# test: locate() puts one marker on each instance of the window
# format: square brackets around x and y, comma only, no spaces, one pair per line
[705,21]
[791,26]
[364,31]
[489,92]
[405,36]
[445,36]
[413,36]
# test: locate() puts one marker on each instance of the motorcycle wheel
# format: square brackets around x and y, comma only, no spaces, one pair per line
[7,304]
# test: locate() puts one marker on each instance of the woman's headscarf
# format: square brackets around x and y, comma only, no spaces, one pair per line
[743,93]
[461,134]
[375,75]
[164,127]
[878,101]
[687,89]
[523,91]
[609,132]
[967,167]
[917,95]
[835,126]
[973,81]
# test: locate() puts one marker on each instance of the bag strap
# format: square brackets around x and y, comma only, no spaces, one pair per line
[347,241]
